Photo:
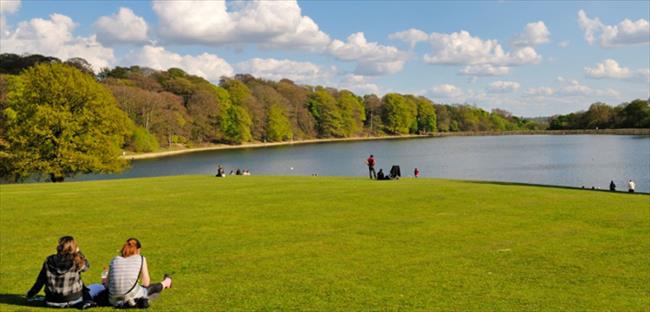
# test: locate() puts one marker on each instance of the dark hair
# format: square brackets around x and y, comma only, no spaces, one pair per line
[371,155]
[130,247]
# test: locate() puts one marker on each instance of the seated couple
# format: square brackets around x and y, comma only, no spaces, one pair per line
[61,276]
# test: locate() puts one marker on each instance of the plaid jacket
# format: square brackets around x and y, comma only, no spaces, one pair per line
[61,278]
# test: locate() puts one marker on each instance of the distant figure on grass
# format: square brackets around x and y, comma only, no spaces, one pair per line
[612,186]
[123,274]
[380,175]
[631,186]
[238,172]
[371,167]
[416,172]
[61,276]
[221,173]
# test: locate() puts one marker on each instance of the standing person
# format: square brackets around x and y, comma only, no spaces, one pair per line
[631,186]
[123,274]
[371,167]
[416,172]
[612,186]
[61,276]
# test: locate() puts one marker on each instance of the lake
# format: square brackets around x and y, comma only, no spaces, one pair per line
[567,160]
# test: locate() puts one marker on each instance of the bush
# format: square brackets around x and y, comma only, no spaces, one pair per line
[142,141]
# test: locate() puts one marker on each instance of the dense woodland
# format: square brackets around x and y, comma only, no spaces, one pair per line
[54,110]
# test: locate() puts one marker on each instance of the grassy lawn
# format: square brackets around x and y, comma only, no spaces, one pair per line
[321,243]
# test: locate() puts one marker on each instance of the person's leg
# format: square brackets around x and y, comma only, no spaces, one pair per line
[154,289]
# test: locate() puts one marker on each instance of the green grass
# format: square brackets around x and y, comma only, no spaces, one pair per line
[320,243]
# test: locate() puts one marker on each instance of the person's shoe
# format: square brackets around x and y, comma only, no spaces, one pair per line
[170,279]
[88,304]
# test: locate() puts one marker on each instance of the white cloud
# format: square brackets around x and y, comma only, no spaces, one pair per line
[540,91]
[268,23]
[484,70]
[608,68]
[53,37]
[371,57]
[563,44]
[626,32]
[358,84]
[122,27]
[503,86]
[411,36]
[208,66]
[461,48]
[575,88]
[302,72]
[446,91]
[9,6]
[534,34]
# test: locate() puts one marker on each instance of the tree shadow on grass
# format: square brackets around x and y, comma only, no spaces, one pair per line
[554,186]
[19,300]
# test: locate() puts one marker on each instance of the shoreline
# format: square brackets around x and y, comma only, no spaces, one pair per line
[213,147]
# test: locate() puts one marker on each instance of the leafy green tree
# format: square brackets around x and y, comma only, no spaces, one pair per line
[302,121]
[373,108]
[278,127]
[322,106]
[352,112]
[399,114]
[426,116]
[61,122]
[143,142]
[636,114]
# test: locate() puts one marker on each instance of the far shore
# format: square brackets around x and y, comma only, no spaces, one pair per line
[185,150]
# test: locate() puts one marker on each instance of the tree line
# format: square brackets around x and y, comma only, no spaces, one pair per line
[60,118]
[635,114]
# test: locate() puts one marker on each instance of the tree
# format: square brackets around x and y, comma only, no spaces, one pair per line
[352,112]
[426,117]
[399,113]
[61,122]
[372,106]
[322,106]
[278,127]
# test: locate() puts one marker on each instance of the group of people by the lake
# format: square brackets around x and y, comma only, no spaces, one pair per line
[125,283]
[631,186]
[394,174]
[221,172]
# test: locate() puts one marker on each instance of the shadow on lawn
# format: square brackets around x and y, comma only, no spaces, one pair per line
[554,186]
[19,300]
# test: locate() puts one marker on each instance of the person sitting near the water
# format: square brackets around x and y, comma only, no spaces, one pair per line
[221,172]
[612,186]
[631,186]
[380,174]
[61,276]
[231,172]
[416,172]
[123,274]
[239,172]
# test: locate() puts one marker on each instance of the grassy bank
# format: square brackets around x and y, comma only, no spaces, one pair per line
[319,243]
[177,150]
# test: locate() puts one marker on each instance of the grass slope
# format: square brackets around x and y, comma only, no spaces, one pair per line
[320,243]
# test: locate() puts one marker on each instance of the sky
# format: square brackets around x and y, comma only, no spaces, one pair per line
[532,58]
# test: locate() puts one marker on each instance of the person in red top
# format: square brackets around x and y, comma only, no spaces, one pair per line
[416,172]
[371,167]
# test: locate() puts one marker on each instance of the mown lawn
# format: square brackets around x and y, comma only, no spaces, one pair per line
[327,244]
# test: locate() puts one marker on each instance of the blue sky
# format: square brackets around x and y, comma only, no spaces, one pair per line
[531,58]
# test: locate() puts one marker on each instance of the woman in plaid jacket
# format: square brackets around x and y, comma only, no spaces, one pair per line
[61,275]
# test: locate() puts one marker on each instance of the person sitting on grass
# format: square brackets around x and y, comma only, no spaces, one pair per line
[123,274]
[61,276]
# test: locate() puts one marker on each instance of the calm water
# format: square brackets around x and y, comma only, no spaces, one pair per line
[576,160]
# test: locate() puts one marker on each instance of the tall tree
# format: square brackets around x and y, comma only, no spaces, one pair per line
[61,122]
[322,106]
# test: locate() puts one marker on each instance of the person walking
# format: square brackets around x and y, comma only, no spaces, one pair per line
[631,186]
[371,167]
[612,186]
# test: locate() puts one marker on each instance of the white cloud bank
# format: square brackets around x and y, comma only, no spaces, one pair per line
[503,87]
[371,57]
[610,68]
[217,22]
[534,34]
[208,66]
[53,37]
[274,69]
[9,6]
[626,32]
[122,27]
